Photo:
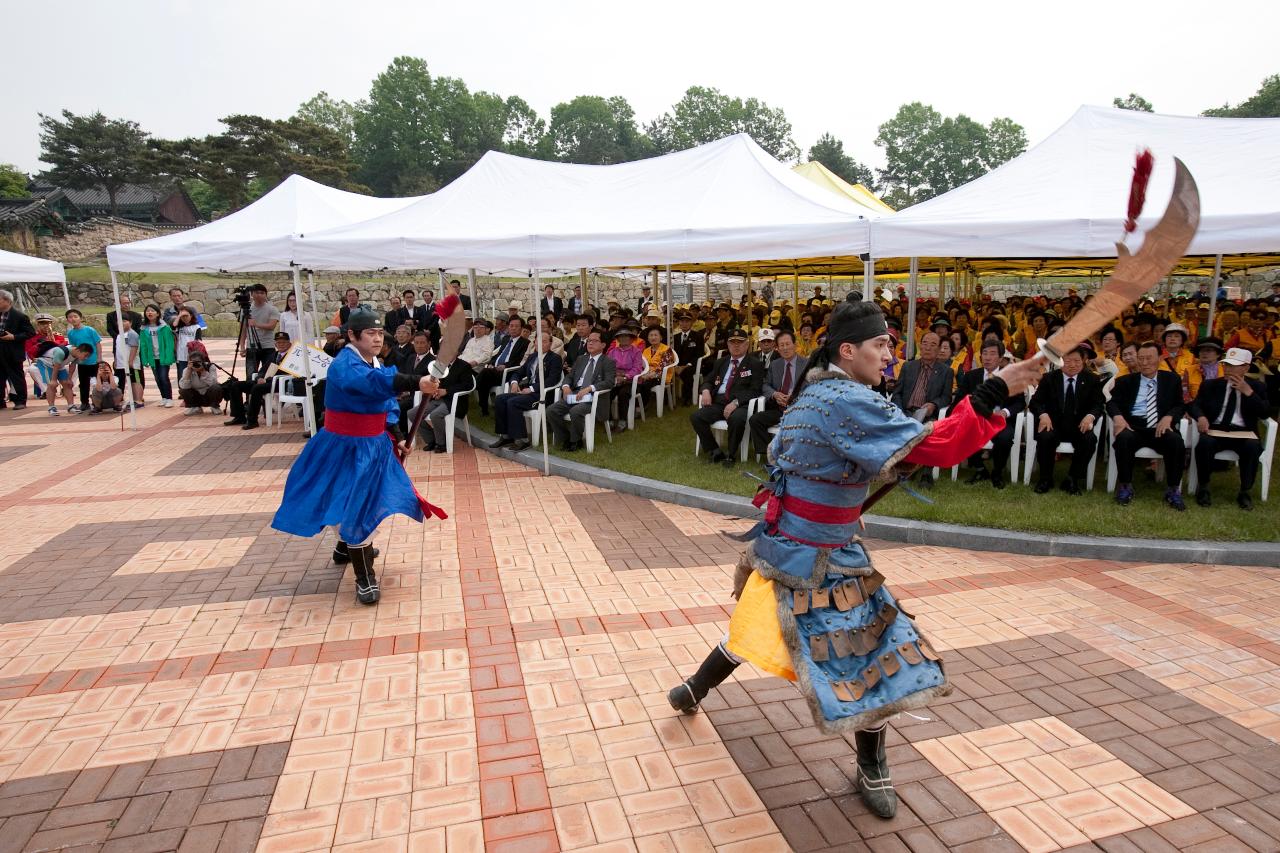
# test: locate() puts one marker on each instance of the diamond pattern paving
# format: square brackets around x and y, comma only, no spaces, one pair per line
[176,675]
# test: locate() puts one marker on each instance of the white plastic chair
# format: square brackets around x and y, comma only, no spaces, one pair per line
[501,387]
[279,397]
[631,408]
[1264,464]
[660,390]
[695,380]
[589,434]
[722,426]
[1015,456]
[452,418]
[1188,433]
[533,420]
[1029,460]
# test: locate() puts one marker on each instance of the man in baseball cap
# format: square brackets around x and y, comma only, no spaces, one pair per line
[1226,412]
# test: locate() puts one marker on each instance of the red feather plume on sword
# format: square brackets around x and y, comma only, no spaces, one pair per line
[1134,273]
[453,325]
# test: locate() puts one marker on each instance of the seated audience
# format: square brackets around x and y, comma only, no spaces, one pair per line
[510,353]
[924,383]
[1226,411]
[479,346]
[457,383]
[1001,442]
[1067,404]
[1146,411]
[628,361]
[256,387]
[779,388]
[593,373]
[522,395]
[735,380]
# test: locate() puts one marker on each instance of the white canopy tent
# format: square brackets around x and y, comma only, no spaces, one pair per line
[1066,197]
[257,238]
[727,199]
[15,267]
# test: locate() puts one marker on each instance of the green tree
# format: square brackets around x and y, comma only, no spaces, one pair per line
[705,114]
[254,155]
[1133,102]
[336,115]
[927,154]
[1006,139]
[13,182]
[398,130]
[829,151]
[94,152]
[594,130]
[1265,103]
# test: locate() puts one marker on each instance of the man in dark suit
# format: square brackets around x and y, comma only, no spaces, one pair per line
[113,322]
[1146,411]
[455,287]
[577,304]
[593,373]
[1001,442]
[415,363]
[577,345]
[1230,407]
[456,382]
[15,331]
[779,387]
[522,395]
[645,300]
[689,346]
[924,386]
[395,316]
[256,388]
[418,314]
[550,303]
[510,353]
[1066,406]
[734,382]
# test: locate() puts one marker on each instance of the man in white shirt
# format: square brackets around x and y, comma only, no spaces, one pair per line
[479,347]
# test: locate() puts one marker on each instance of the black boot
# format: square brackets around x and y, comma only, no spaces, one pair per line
[341,556]
[366,580]
[686,695]
[873,772]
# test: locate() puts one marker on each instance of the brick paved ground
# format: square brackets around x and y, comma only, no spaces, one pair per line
[176,675]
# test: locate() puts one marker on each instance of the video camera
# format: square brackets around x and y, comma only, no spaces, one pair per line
[243,299]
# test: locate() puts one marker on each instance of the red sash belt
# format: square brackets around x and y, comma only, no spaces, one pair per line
[350,423]
[820,513]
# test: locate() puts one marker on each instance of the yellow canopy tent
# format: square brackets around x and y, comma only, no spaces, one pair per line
[829,180]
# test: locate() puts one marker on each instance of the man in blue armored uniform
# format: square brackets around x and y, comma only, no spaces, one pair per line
[348,475]
[810,606]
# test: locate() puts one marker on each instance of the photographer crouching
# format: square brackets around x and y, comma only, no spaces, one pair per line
[198,386]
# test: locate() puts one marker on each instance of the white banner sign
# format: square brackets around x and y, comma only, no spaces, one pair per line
[320,361]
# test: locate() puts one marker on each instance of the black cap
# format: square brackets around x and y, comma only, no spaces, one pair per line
[737,334]
[361,319]
[940,320]
[1212,343]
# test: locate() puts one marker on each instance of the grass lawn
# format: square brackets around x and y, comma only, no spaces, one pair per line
[662,449]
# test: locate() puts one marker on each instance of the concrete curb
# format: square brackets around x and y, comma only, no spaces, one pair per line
[1121,548]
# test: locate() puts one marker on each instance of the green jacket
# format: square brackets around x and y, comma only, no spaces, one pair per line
[168,346]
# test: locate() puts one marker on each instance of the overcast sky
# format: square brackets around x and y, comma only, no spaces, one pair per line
[176,66]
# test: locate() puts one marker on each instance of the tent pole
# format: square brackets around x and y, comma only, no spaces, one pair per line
[795,321]
[868,278]
[706,286]
[942,284]
[542,384]
[66,296]
[751,314]
[471,291]
[669,306]
[315,307]
[595,287]
[128,384]
[913,284]
[1213,297]
[307,405]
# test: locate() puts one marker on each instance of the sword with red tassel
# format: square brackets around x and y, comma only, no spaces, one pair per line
[453,325]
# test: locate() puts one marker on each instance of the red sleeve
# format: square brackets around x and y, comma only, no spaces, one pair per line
[956,437]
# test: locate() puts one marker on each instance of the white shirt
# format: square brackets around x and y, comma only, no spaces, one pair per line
[1146,391]
[478,350]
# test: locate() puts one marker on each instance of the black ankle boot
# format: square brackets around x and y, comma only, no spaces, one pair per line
[686,695]
[366,580]
[873,772]
[341,556]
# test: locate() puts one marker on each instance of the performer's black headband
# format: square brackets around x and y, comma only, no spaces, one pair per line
[856,331]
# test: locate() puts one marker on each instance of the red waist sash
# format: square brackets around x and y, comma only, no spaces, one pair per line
[350,423]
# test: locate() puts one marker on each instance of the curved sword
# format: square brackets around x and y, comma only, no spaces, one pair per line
[1134,274]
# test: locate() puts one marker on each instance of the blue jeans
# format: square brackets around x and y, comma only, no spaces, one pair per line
[161,373]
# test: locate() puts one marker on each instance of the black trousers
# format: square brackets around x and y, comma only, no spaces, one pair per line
[1169,446]
[508,414]
[1083,445]
[1248,449]
[254,357]
[1001,447]
[235,392]
[85,373]
[708,415]
[11,356]
[761,423]
[486,381]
